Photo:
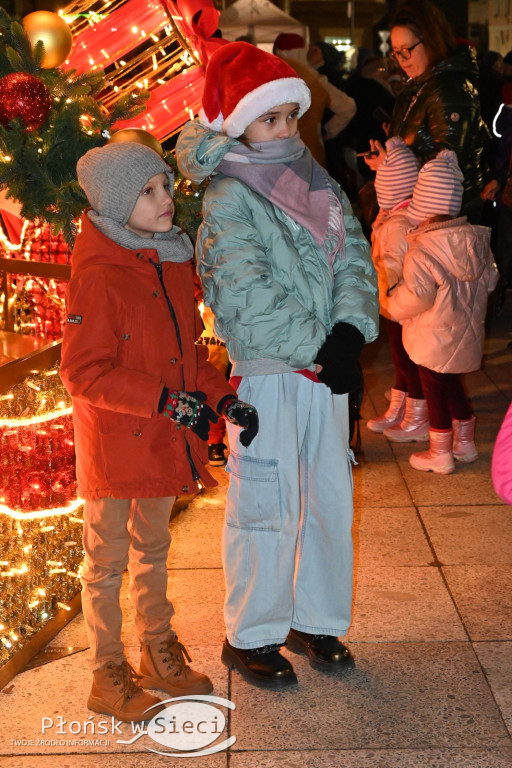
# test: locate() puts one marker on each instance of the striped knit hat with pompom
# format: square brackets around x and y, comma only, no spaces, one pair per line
[397,175]
[438,191]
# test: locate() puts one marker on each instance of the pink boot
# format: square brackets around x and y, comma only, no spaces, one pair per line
[414,425]
[393,415]
[464,440]
[439,457]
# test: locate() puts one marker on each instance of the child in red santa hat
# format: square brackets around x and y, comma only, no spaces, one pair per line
[288,274]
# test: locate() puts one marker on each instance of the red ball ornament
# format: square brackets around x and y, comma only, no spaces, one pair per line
[26,97]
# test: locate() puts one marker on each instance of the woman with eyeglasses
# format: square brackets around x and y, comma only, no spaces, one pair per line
[439,107]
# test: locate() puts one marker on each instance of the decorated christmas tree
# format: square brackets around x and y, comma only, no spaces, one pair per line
[48,119]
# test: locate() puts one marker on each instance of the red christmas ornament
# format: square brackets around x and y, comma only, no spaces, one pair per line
[26,97]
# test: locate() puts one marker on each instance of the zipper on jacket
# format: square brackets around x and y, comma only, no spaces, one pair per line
[195,473]
[159,271]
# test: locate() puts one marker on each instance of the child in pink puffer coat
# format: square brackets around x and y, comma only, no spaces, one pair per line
[441,302]
[406,419]
[502,459]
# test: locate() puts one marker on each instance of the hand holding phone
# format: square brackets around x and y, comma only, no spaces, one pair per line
[381,116]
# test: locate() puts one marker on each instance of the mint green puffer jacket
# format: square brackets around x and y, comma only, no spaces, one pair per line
[268,283]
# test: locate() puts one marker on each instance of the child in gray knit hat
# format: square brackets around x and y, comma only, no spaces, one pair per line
[144,396]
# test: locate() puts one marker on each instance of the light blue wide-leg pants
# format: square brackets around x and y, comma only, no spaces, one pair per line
[287,544]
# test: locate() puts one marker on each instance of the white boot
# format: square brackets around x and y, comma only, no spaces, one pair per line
[439,457]
[414,425]
[393,415]
[464,448]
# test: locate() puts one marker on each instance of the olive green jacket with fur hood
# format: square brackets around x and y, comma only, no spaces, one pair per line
[271,288]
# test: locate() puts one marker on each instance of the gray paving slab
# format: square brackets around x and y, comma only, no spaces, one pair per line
[197,597]
[403,604]
[496,659]
[108,760]
[377,530]
[377,758]
[467,483]
[456,533]
[483,595]
[380,484]
[58,693]
[428,696]
[196,531]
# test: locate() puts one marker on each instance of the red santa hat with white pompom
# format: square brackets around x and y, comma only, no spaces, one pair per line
[242,83]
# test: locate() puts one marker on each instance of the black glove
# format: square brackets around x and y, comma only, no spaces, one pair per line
[243,415]
[338,356]
[189,409]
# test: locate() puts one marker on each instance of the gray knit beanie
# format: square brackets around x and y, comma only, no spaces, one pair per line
[113,176]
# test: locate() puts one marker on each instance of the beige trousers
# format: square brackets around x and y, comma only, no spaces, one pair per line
[120,532]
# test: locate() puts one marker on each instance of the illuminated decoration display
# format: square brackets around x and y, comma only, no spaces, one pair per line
[40,515]
[150,45]
[125,51]
[36,304]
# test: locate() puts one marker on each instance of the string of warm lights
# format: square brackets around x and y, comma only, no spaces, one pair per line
[36,305]
[40,514]
[146,53]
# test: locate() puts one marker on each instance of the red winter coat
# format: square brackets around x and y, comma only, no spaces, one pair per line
[120,348]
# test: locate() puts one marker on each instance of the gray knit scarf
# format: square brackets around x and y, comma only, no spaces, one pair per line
[174,245]
[285,173]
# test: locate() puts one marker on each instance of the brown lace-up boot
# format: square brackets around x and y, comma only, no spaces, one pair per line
[115,692]
[163,666]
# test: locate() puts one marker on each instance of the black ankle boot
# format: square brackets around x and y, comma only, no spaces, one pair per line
[264,667]
[325,652]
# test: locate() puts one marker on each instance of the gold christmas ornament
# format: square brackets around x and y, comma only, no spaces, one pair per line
[139,136]
[55,34]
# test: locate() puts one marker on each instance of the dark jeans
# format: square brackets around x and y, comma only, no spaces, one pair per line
[445,396]
[406,372]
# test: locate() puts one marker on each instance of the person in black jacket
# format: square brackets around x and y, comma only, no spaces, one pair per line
[439,107]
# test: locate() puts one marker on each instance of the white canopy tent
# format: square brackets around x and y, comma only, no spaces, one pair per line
[261,20]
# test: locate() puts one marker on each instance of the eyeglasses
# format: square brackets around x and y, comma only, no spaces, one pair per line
[404,53]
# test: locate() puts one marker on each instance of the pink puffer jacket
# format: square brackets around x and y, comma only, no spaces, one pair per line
[502,459]
[449,272]
[389,246]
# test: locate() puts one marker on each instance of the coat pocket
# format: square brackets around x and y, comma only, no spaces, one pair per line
[253,498]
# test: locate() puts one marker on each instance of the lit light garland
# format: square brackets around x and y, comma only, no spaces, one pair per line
[36,304]
[41,513]
[149,45]
[40,523]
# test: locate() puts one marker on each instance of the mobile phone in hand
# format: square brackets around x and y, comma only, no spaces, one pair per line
[381,116]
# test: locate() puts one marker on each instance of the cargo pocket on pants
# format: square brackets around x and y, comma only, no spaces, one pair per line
[253,498]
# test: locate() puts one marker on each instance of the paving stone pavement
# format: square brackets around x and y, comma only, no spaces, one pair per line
[431,631]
